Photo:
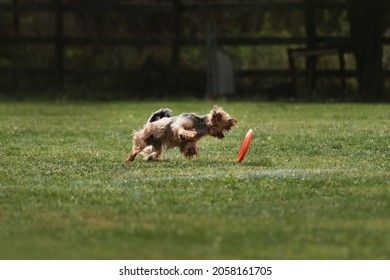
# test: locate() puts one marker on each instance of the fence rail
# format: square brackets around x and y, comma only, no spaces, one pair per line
[162,6]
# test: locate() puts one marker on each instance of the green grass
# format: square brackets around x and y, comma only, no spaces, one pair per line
[315,184]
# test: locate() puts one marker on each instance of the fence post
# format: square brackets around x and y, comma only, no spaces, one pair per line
[59,43]
[293,73]
[16,18]
[311,42]
[211,51]
[16,33]
[175,54]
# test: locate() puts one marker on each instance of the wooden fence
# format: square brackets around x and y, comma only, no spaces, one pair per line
[175,41]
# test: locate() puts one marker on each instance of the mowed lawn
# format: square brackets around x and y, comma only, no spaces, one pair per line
[315,184]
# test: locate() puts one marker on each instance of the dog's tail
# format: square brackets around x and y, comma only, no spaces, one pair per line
[162,113]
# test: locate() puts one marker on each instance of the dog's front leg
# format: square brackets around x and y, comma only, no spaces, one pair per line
[189,149]
[186,134]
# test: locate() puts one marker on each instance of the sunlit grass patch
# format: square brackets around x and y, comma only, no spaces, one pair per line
[313,185]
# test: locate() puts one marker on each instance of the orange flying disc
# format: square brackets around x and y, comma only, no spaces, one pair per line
[245,145]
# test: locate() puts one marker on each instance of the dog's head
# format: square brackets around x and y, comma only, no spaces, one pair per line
[219,121]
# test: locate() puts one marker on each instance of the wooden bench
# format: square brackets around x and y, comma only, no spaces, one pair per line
[313,54]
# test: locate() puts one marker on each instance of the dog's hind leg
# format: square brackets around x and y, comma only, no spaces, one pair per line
[138,146]
[133,154]
[154,156]
[147,153]
[152,152]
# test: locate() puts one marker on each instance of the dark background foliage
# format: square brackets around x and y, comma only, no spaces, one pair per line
[157,49]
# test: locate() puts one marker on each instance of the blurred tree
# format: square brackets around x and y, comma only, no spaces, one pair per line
[367,24]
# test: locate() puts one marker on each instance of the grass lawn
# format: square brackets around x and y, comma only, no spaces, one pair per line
[315,184]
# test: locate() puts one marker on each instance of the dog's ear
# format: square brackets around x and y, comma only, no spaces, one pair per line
[215,115]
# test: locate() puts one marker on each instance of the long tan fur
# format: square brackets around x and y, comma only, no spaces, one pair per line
[183,131]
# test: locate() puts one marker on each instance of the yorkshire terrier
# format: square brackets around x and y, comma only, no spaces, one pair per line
[165,131]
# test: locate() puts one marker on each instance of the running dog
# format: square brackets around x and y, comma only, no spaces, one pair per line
[184,131]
